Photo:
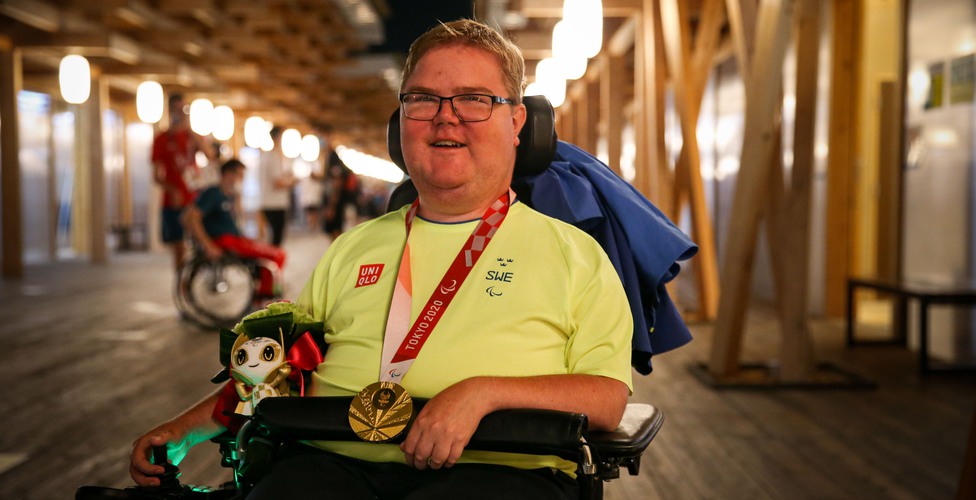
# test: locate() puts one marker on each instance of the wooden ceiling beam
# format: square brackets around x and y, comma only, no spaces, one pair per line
[114,46]
[37,14]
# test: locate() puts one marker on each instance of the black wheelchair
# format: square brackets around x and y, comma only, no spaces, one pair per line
[212,293]
[599,455]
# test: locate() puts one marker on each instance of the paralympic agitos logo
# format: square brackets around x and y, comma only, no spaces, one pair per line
[499,276]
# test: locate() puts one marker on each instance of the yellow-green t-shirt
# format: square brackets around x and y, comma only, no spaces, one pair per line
[543,299]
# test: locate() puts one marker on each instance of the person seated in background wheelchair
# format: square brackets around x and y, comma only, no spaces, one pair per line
[211,221]
[468,297]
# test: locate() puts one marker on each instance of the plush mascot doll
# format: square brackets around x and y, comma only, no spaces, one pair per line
[270,353]
[259,370]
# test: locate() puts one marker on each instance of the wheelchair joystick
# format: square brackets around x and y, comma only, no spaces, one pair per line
[169,481]
[169,485]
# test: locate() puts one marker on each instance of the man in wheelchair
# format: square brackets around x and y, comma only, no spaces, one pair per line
[467,298]
[212,223]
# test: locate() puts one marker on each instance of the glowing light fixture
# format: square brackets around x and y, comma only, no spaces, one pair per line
[149,102]
[223,123]
[369,165]
[291,143]
[547,70]
[254,129]
[586,19]
[201,116]
[310,148]
[267,143]
[549,82]
[74,75]
[566,51]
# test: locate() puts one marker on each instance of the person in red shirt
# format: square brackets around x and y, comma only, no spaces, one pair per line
[174,167]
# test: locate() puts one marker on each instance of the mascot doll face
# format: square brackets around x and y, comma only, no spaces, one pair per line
[256,358]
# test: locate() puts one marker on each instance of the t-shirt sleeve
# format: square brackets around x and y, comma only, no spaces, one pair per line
[600,343]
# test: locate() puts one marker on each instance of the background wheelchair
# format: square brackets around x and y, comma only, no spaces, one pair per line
[598,455]
[218,292]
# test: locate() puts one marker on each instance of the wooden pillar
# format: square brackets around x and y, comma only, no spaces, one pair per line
[98,227]
[560,123]
[11,82]
[688,83]
[890,182]
[592,103]
[612,86]
[763,79]
[842,134]
[663,176]
[796,349]
[582,118]
[645,129]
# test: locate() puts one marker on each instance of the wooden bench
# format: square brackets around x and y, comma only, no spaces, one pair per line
[926,294]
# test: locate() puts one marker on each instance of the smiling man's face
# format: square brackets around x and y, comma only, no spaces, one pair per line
[460,168]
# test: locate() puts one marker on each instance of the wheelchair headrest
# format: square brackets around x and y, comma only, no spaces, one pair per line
[537,140]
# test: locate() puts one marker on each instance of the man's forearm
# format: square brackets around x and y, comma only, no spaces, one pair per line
[197,421]
[602,399]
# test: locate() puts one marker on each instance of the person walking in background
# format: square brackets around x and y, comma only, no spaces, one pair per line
[276,180]
[175,170]
[341,190]
[310,194]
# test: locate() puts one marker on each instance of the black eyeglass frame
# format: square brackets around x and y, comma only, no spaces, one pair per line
[494,100]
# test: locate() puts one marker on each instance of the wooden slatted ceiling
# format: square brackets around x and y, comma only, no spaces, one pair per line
[281,54]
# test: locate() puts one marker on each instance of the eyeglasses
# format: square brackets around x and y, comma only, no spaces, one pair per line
[467,107]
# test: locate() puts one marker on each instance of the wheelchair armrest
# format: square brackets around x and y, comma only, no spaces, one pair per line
[635,432]
[530,431]
[627,442]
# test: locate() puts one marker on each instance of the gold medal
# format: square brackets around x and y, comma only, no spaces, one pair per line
[380,412]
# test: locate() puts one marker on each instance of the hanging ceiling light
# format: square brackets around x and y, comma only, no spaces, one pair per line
[254,128]
[549,82]
[201,116]
[586,18]
[291,143]
[566,50]
[223,123]
[369,165]
[267,143]
[310,148]
[149,102]
[74,75]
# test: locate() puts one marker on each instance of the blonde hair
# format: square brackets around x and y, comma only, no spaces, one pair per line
[472,34]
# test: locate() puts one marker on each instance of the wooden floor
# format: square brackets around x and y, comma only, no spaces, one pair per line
[95,355]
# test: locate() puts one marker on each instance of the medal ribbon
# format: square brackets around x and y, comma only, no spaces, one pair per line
[396,361]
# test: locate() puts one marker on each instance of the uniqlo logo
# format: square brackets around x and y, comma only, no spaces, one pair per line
[369,274]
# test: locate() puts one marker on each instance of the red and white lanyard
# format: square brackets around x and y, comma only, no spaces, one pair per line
[397,360]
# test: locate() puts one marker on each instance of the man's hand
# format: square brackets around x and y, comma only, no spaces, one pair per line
[140,468]
[214,252]
[443,428]
[445,425]
[193,426]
